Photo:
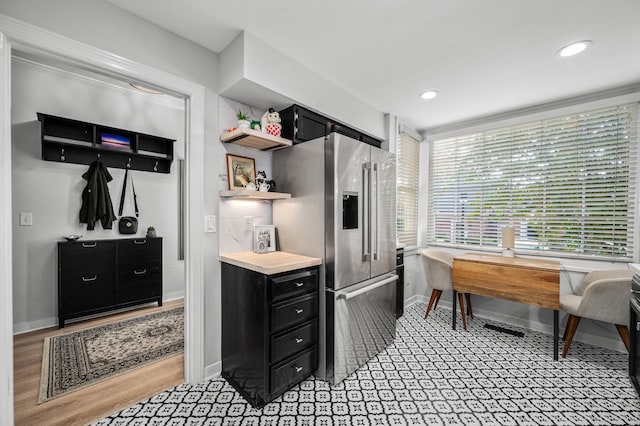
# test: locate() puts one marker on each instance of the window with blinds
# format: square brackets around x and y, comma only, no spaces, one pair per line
[407,170]
[567,185]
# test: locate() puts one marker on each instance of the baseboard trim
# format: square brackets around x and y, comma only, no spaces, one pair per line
[28,327]
[212,371]
[586,338]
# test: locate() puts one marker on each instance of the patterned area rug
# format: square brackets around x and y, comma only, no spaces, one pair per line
[82,358]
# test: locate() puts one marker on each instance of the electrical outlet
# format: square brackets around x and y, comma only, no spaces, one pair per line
[248,223]
[26,219]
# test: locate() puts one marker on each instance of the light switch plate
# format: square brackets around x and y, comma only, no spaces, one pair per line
[210,224]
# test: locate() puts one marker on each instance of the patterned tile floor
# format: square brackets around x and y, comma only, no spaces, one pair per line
[431,375]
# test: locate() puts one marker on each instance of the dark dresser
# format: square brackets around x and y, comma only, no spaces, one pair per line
[96,276]
[269,327]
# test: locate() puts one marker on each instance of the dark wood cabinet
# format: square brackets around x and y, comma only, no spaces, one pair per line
[72,141]
[269,330]
[400,282]
[301,124]
[102,275]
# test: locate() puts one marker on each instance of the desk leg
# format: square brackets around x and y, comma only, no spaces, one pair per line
[453,320]
[555,334]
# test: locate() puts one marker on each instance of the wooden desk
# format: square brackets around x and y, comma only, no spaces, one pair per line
[532,281]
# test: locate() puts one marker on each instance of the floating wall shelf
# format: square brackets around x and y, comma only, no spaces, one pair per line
[255,139]
[255,195]
[71,141]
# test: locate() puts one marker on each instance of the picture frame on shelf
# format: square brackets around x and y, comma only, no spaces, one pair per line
[240,171]
[264,238]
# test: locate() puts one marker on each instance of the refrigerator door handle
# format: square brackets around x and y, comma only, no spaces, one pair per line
[352,294]
[374,214]
[366,188]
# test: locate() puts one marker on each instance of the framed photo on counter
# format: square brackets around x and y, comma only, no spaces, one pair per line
[264,238]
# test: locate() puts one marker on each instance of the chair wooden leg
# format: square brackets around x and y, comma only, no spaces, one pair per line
[464,317]
[469,310]
[572,325]
[437,299]
[623,331]
[435,294]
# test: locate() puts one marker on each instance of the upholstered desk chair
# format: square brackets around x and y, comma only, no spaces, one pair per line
[602,296]
[438,267]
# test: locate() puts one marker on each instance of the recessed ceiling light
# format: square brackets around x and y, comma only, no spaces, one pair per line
[574,48]
[145,89]
[429,94]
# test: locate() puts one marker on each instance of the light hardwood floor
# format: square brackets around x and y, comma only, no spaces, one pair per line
[95,402]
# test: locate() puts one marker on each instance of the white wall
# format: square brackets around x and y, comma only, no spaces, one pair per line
[253,69]
[93,22]
[52,191]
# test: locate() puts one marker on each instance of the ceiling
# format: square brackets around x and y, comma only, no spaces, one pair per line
[484,57]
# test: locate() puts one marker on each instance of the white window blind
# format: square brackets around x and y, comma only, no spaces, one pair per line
[407,170]
[567,185]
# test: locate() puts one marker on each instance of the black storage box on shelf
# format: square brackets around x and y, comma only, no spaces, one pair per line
[72,141]
[301,124]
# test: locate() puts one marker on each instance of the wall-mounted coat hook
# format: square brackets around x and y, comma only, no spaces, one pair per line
[62,158]
[98,156]
[155,167]
[129,163]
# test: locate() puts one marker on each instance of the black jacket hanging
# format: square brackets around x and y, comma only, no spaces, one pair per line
[96,200]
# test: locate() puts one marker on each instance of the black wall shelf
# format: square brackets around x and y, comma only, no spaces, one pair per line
[71,141]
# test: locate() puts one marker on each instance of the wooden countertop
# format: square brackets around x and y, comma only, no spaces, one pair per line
[270,263]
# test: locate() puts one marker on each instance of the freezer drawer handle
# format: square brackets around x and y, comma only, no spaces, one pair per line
[93,278]
[298,311]
[298,368]
[299,284]
[358,292]
[299,340]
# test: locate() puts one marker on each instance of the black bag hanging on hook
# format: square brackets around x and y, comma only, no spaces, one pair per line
[128,224]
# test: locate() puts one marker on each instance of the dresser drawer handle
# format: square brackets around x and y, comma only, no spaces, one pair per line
[140,272]
[89,245]
[298,368]
[299,284]
[139,242]
[299,340]
[298,311]
[86,280]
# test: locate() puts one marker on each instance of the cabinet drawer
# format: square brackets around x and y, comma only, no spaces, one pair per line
[139,250]
[294,370]
[83,293]
[292,285]
[293,312]
[292,341]
[87,257]
[139,282]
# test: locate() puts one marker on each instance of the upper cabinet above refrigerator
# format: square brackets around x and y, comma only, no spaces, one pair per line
[301,125]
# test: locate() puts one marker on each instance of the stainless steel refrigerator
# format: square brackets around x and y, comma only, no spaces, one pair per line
[343,210]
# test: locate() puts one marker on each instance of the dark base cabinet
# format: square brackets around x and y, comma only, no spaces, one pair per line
[103,275]
[269,330]
[400,282]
